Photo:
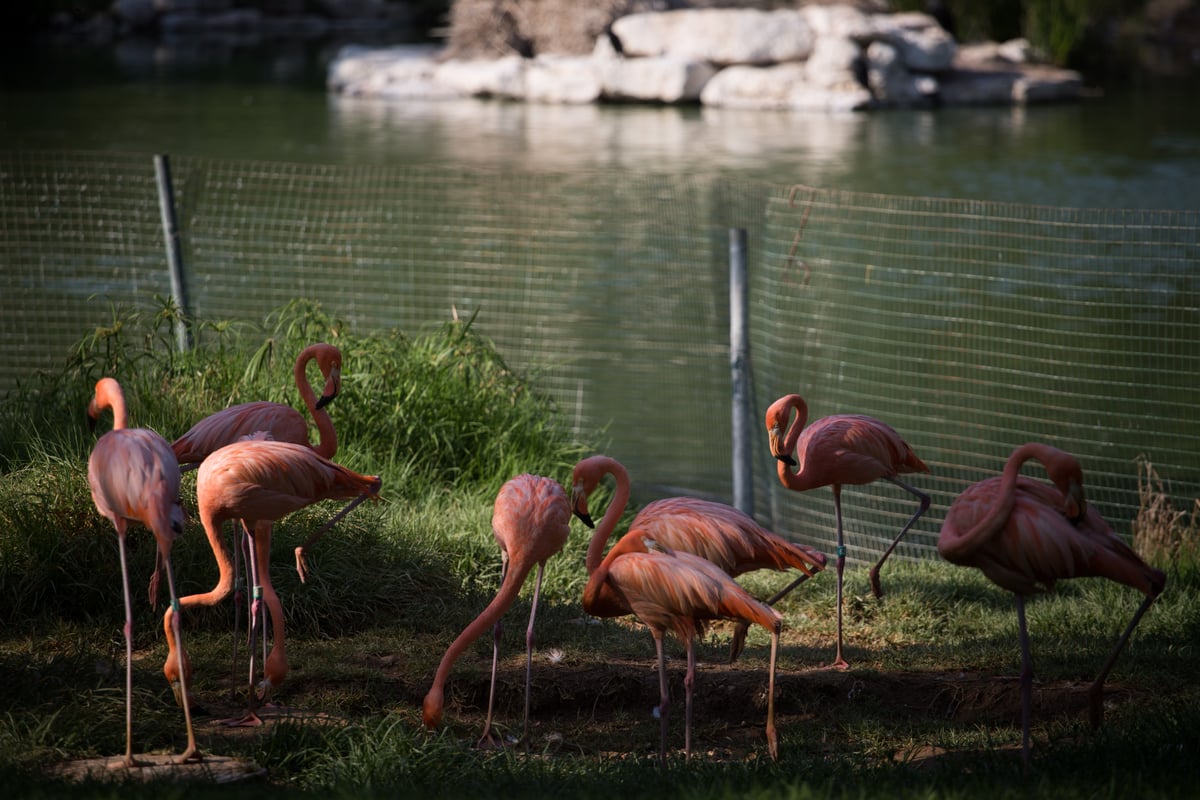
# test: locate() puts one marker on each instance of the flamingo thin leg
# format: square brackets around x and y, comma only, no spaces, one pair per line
[772,735]
[487,738]
[192,752]
[689,685]
[876,589]
[839,662]
[128,760]
[664,700]
[1096,692]
[1026,681]
[537,588]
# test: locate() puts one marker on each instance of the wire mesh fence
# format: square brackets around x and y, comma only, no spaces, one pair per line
[969,327]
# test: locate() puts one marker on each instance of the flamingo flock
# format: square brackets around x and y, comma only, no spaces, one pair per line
[673,569]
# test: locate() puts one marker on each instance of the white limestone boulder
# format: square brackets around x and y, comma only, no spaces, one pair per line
[723,36]
[391,72]
[562,79]
[499,77]
[779,87]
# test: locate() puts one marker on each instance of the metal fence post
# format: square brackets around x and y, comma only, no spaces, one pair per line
[166,204]
[739,362]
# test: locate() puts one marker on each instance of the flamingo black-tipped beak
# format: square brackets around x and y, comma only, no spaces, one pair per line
[325,400]
[585,518]
[787,459]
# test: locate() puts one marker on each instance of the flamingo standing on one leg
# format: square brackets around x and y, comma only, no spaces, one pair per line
[678,591]
[1024,535]
[531,522]
[838,450]
[259,482]
[281,423]
[134,476]
[714,531]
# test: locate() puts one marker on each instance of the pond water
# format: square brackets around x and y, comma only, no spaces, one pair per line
[1134,147]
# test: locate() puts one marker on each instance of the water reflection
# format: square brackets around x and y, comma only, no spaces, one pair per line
[540,137]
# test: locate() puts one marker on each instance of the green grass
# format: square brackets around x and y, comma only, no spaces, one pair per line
[927,711]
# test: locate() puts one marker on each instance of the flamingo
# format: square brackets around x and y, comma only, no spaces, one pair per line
[259,481]
[679,591]
[531,522]
[134,477]
[714,531]
[838,450]
[1024,535]
[282,422]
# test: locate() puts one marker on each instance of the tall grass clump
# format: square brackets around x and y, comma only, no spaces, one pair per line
[1162,533]
[438,415]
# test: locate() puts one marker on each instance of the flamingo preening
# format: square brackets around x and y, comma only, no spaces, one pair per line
[1024,535]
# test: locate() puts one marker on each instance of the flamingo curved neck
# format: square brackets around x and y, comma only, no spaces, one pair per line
[504,598]
[612,514]
[109,394]
[961,544]
[799,480]
[326,445]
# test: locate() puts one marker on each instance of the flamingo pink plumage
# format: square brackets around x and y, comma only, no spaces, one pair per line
[680,592]
[714,531]
[282,422]
[260,482]
[838,450]
[133,476]
[531,523]
[1024,535]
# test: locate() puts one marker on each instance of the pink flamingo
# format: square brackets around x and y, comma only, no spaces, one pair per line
[838,450]
[282,422]
[134,477]
[1024,535]
[531,522]
[259,482]
[714,531]
[678,591]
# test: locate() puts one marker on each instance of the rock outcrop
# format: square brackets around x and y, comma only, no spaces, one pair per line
[819,57]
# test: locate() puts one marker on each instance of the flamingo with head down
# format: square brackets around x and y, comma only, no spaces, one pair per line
[531,523]
[714,531]
[679,592]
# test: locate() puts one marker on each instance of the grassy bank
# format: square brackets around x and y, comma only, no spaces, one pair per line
[930,708]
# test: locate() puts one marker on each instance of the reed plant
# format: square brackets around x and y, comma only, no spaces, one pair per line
[929,709]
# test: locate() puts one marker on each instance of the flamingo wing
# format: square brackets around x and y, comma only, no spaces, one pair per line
[678,591]
[227,426]
[721,534]
[855,449]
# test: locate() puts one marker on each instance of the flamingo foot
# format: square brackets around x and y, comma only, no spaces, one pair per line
[250,720]
[876,587]
[191,755]
[489,741]
[125,762]
[840,664]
